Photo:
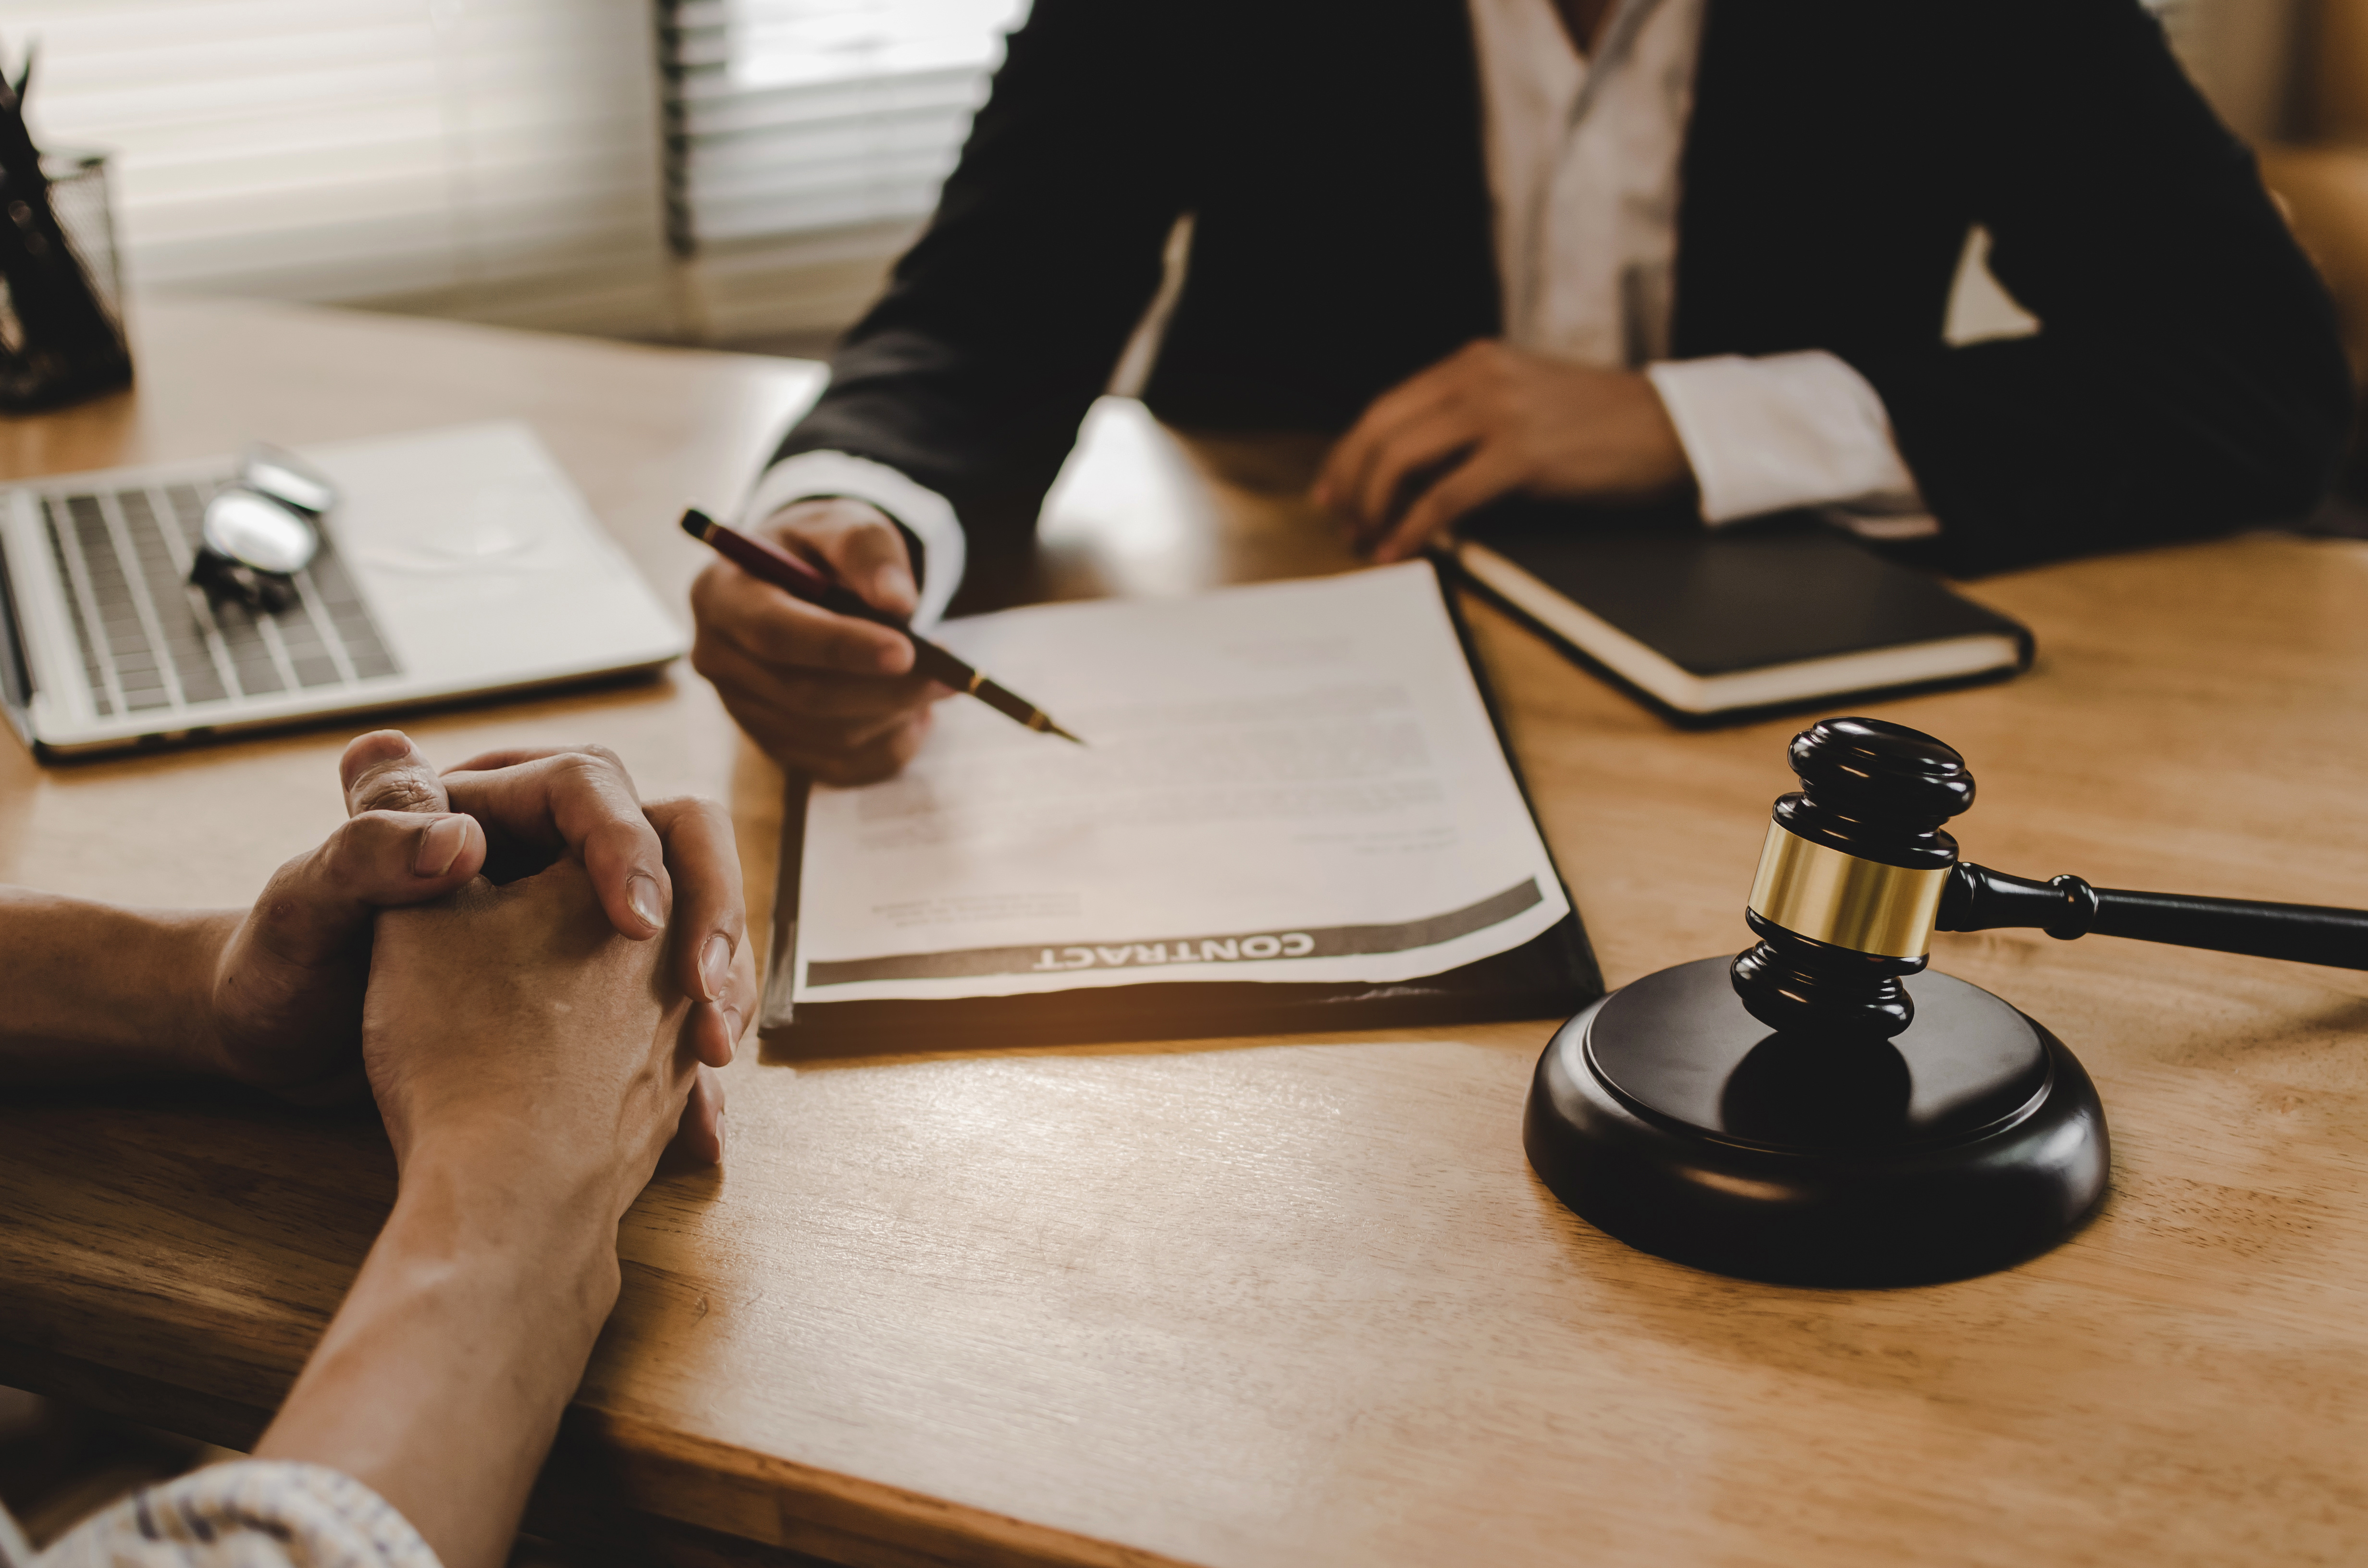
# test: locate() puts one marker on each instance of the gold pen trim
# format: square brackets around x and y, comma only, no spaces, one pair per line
[1830,895]
[977,679]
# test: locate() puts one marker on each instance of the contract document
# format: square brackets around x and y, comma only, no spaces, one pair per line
[1288,782]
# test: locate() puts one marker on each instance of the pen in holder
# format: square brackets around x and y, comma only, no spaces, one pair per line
[61,335]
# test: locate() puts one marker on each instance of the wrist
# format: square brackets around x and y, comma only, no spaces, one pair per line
[504,1181]
[441,1382]
[1664,467]
[99,992]
[187,1012]
[510,1226]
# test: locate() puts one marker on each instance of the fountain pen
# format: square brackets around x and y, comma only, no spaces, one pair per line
[792,575]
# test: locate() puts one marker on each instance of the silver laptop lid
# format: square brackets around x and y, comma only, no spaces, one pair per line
[457,561]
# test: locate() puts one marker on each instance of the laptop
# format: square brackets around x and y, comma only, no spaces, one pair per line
[456,563]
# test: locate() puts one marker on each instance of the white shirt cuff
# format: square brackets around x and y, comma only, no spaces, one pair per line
[1770,433]
[930,514]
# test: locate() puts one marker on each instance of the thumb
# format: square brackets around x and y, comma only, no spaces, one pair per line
[318,904]
[382,771]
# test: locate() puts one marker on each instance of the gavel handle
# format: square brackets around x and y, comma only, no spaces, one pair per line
[1978,899]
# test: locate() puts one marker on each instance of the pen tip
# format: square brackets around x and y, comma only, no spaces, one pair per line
[1065,735]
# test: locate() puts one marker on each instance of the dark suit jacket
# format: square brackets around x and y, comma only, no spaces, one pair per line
[2188,378]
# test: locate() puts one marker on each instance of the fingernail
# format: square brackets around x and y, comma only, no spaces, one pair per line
[714,967]
[719,1135]
[732,1022]
[441,846]
[894,582]
[642,893]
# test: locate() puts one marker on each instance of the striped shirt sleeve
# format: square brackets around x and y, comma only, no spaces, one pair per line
[248,1514]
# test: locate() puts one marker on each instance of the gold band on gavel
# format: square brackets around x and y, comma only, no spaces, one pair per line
[1830,895]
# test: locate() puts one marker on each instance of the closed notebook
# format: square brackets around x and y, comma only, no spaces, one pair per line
[1711,626]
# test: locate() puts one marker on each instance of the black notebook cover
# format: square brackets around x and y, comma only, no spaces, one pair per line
[1714,602]
[1551,976]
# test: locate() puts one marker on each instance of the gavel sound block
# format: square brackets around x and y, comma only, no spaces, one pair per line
[1822,1109]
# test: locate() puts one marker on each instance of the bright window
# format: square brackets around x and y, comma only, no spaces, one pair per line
[339,149]
[786,117]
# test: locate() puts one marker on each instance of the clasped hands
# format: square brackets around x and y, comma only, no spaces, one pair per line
[517,952]
[836,698]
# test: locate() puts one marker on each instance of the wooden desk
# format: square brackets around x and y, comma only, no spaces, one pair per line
[1292,1302]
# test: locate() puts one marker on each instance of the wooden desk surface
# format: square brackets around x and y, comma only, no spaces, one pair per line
[1300,1300]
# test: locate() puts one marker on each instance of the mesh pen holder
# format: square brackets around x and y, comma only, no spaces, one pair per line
[61,335]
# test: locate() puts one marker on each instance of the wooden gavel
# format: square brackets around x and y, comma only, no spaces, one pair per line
[1856,876]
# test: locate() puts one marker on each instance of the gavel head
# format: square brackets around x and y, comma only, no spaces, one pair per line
[1850,878]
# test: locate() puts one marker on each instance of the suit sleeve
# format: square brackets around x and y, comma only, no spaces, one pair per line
[1005,320]
[2188,376]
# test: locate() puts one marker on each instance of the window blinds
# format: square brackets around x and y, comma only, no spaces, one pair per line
[786,117]
[340,149]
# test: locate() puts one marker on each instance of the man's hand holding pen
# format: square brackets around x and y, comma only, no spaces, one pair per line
[780,570]
[839,697]
[827,694]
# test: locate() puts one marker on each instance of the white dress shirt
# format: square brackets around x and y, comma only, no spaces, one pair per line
[1583,169]
[1583,172]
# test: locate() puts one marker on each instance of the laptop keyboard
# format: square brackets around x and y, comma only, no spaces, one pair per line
[152,642]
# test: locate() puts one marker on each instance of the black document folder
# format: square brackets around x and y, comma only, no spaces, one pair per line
[1551,976]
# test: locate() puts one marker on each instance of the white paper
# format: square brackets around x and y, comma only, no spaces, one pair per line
[1291,781]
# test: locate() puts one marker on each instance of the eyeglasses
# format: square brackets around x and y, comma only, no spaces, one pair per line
[263,528]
